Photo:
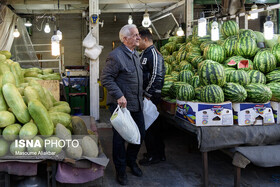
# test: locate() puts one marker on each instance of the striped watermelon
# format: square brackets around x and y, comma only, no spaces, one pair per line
[198,93]
[190,45]
[174,54]
[195,49]
[276,52]
[211,72]
[174,89]
[186,67]
[205,44]
[246,47]
[275,89]
[198,40]
[175,74]
[233,61]
[273,76]
[248,33]
[195,81]
[228,71]
[181,56]
[196,60]
[239,76]
[185,93]
[170,47]
[258,93]
[257,77]
[234,92]
[166,87]
[168,68]
[164,52]
[265,62]
[229,45]
[230,28]
[175,66]
[169,59]
[186,76]
[212,94]
[191,55]
[182,48]
[214,52]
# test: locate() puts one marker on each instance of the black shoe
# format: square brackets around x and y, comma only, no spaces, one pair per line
[162,158]
[122,179]
[135,170]
[148,161]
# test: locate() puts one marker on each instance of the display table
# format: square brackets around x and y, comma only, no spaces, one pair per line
[244,143]
[61,169]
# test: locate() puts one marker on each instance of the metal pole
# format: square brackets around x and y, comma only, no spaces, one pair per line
[188,16]
[94,64]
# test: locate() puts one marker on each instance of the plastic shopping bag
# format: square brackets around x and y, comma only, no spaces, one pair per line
[125,125]
[150,112]
[94,52]
[89,41]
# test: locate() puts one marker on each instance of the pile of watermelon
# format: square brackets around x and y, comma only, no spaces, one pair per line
[232,69]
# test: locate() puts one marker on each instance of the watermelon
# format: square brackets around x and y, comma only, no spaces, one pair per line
[248,32]
[169,59]
[240,77]
[170,47]
[185,76]
[195,81]
[214,52]
[228,71]
[230,28]
[198,40]
[205,44]
[260,37]
[166,87]
[164,52]
[212,94]
[273,76]
[246,47]
[190,45]
[245,64]
[196,60]
[191,55]
[175,53]
[211,72]
[174,89]
[185,93]
[265,62]
[198,93]
[275,89]
[276,52]
[257,77]
[272,42]
[234,92]
[229,45]
[258,93]
[181,56]
[168,68]
[233,61]
[186,67]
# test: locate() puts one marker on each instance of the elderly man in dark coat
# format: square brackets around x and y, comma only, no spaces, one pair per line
[123,78]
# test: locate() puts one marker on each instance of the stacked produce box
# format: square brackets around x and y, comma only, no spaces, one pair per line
[232,69]
[29,111]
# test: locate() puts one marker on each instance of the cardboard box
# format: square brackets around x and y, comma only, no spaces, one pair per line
[168,107]
[205,114]
[276,111]
[252,113]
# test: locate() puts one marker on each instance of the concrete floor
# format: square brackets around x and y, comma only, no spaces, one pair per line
[184,164]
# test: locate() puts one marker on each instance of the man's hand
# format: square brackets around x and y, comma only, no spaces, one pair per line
[122,102]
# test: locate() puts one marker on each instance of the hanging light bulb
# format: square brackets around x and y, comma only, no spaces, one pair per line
[16,34]
[215,35]
[202,25]
[130,20]
[146,19]
[254,15]
[28,23]
[59,33]
[55,45]
[268,28]
[47,28]
[180,31]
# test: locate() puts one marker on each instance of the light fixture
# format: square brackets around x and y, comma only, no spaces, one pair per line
[115,18]
[47,28]
[55,45]
[59,33]
[254,15]
[180,31]
[130,20]
[202,25]
[146,19]
[16,34]
[268,28]
[215,35]
[28,23]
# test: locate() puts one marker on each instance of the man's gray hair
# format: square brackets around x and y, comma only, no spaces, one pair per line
[125,31]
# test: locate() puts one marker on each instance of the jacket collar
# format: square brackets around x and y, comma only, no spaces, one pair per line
[127,52]
[148,49]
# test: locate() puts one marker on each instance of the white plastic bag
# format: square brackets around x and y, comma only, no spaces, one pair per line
[125,125]
[89,41]
[94,52]
[150,112]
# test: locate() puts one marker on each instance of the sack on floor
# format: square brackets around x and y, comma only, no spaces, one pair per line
[150,112]
[125,125]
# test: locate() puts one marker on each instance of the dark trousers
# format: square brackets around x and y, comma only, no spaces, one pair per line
[153,137]
[122,156]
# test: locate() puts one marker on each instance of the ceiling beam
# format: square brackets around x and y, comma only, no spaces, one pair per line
[49,2]
[136,1]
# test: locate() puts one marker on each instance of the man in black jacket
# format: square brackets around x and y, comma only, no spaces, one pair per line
[123,78]
[153,78]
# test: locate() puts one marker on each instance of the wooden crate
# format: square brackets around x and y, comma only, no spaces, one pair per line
[168,107]
[52,86]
